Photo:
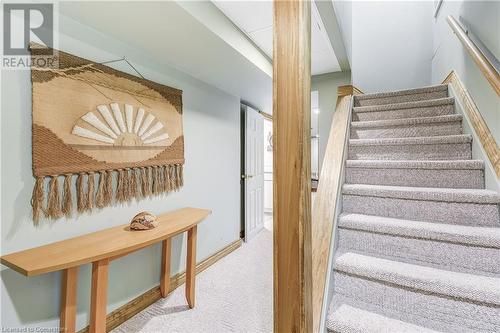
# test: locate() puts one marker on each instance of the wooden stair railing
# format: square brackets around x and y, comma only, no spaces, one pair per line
[325,207]
[489,71]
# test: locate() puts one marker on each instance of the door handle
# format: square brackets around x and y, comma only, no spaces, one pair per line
[246,176]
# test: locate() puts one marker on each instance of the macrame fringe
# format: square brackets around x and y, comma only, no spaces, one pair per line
[180,175]
[120,186]
[161,179]
[131,184]
[67,206]
[144,190]
[53,199]
[99,197]
[81,198]
[37,199]
[126,186]
[156,182]
[108,188]
[166,175]
[90,191]
[172,178]
[149,181]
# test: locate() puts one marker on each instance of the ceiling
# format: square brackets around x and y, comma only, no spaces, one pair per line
[255,19]
[169,35]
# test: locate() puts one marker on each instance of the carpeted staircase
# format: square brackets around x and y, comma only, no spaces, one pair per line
[419,237]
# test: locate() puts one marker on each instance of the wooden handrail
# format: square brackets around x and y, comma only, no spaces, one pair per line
[489,71]
[325,208]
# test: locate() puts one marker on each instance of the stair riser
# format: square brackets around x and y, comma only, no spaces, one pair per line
[430,111]
[451,128]
[442,255]
[401,99]
[450,178]
[444,151]
[430,310]
[419,210]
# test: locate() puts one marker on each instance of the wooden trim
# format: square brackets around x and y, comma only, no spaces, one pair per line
[292,166]
[325,204]
[347,90]
[127,311]
[479,58]
[488,142]
[266,115]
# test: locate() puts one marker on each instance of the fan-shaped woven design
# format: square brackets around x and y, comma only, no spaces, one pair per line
[120,135]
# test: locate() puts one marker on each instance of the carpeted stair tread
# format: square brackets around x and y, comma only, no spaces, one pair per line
[416,173]
[466,235]
[425,140]
[477,289]
[439,87]
[406,121]
[408,95]
[476,196]
[417,164]
[405,105]
[348,319]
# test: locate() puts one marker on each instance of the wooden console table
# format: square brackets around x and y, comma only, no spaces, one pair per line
[101,247]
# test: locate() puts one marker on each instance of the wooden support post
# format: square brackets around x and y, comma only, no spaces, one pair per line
[165,267]
[99,296]
[292,166]
[69,285]
[191,266]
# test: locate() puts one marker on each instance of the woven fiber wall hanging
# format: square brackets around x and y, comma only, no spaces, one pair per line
[120,135]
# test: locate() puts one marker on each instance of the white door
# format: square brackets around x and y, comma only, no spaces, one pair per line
[254,173]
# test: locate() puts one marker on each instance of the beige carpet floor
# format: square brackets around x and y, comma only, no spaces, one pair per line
[233,295]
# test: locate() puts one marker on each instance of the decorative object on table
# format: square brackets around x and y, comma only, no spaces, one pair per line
[143,221]
[100,124]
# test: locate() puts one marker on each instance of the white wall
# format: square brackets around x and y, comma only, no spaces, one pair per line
[389,43]
[326,85]
[212,151]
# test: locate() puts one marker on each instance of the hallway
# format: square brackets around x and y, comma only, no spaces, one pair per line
[233,295]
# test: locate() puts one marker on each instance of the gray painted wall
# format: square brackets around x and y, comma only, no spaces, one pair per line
[211,125]
[326,85]
[483,19]
[388,43]
[391,45]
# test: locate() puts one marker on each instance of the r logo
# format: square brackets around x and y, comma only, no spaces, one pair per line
[23,23]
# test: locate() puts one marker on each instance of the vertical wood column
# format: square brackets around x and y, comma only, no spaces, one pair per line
[69,286]
[191,266]
[165,267]
[292,166]
[99,296]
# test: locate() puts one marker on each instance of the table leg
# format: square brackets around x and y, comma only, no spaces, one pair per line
[191,266]
[165,268]
[68,300]
[99,296]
